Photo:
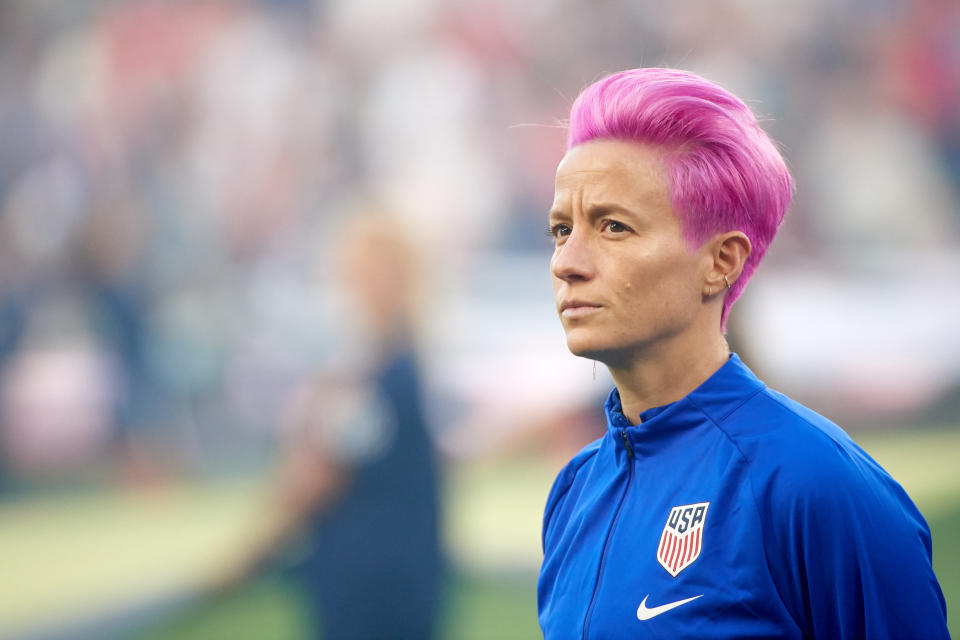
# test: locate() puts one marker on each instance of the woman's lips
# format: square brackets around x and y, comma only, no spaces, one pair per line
[578,310]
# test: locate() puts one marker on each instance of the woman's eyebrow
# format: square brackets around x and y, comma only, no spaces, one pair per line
[594,210]
[602,208]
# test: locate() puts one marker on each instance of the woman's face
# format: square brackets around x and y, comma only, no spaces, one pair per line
[623,276]
[376,277]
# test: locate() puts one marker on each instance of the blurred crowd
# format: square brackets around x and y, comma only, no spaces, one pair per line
[170,173]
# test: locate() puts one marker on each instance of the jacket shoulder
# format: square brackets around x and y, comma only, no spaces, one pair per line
[832,516]
[565,479]
[778,435]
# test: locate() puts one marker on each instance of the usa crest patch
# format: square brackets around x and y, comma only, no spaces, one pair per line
[682,538]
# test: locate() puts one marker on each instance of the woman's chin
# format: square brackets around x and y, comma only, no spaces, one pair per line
[585,348]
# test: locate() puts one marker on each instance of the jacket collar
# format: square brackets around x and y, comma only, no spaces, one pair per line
[716,398]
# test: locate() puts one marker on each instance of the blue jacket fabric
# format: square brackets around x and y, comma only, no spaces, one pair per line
[733,513]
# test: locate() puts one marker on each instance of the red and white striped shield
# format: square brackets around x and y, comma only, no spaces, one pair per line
[682,538]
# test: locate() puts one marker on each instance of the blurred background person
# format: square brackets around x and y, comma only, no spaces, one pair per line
[358,481]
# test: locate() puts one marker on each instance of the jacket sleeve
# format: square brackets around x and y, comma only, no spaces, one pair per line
[561,485]
[559,489]
[849,551]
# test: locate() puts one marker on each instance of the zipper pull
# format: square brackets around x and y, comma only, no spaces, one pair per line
[626,442]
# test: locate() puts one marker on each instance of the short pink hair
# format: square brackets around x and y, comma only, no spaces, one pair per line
[725,172]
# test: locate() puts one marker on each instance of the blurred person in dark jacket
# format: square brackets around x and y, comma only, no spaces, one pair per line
[358,481]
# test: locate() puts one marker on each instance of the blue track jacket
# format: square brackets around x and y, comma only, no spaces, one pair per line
[733,513]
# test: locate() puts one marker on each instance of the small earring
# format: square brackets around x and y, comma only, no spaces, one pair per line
[709,291]
[726,281]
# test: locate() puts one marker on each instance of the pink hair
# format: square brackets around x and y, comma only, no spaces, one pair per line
[725,172]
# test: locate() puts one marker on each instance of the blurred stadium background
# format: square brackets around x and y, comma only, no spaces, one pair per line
[169,174]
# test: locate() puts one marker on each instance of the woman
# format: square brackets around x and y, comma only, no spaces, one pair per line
[713,506]
[358,486]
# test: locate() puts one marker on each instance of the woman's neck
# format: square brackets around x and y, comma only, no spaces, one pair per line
[667,372]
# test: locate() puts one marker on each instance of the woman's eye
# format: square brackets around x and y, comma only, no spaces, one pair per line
[558,230]
[614,226]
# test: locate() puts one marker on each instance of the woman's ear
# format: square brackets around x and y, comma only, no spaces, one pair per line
[729,252]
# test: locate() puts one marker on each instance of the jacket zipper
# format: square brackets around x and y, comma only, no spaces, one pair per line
[606,543]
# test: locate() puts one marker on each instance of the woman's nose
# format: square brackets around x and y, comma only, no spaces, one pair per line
[574,259]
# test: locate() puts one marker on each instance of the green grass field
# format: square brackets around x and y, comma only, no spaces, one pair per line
[474,608]
[67,556]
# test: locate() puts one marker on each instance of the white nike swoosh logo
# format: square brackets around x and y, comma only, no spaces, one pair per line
[643,613]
